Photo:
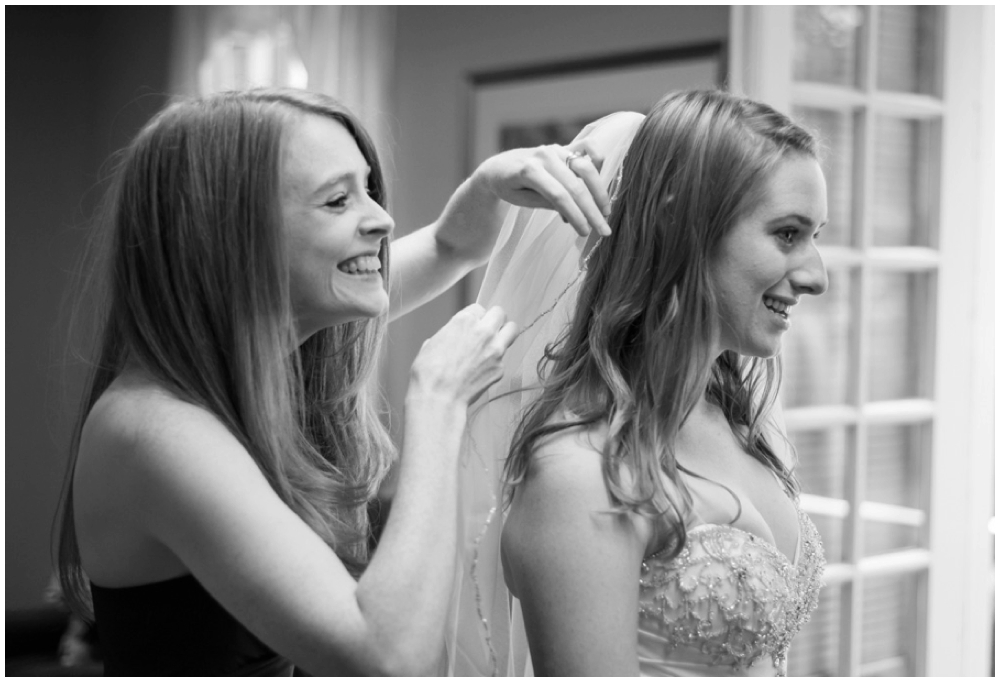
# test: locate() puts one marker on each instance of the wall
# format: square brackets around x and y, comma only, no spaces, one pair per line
[80,82]
[437,50]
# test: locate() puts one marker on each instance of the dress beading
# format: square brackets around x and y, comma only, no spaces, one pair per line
[730,598]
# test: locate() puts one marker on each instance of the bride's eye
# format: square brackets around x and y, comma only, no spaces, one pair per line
[787,235]
[337,202]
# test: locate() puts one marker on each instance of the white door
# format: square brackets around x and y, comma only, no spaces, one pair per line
[888,386]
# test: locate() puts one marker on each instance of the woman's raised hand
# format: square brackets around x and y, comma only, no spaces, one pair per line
[563,179]
[463,359]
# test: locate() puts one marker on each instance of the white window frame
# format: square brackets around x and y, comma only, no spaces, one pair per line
[960,556]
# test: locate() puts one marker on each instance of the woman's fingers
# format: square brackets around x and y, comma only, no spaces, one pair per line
[584,145]
[581,180]
[563,191]
[503,330]
[508,333]
[556,178]
[474,310]
[493,318]
[570,184]
[465,357]
[587,169]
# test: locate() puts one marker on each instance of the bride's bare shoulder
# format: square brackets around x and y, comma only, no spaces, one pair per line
[563,510]
[571,444]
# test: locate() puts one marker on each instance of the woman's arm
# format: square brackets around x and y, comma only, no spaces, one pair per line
[253,554]
[574,564]
[432,259]
[181,481]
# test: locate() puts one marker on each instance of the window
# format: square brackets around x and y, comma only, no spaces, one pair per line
[880,373]
[246,47]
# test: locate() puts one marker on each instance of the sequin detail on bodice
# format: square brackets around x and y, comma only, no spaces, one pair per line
[730,598]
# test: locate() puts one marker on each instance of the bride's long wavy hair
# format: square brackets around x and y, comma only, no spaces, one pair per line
[637,352]
[196,291]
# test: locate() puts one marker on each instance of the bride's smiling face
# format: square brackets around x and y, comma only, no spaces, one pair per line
[769,259]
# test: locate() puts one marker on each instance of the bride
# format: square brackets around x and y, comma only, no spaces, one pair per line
[630,502]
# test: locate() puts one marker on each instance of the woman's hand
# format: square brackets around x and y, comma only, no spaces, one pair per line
[464,358]
[564,179]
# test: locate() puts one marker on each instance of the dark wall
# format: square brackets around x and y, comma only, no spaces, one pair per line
[80,82]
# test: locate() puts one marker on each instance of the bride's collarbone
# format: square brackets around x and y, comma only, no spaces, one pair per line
[763,508]
[769,515]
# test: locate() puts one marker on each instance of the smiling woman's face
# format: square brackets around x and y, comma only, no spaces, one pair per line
[334,229]
[769,259]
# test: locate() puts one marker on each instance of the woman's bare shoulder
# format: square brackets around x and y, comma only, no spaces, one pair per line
[142,437]
[142,452]
[139,413]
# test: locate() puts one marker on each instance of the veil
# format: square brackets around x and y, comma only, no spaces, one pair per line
[534,275]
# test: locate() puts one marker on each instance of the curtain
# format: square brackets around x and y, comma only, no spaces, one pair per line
[343,51]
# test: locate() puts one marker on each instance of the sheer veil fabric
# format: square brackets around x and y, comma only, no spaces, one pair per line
[534,275]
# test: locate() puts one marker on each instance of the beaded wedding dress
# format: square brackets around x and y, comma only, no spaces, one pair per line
[728,605]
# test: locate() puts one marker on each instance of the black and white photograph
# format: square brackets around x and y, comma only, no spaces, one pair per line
[501,340]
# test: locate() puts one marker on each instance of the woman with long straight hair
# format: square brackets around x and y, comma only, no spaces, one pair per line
[651,523]
[229,441]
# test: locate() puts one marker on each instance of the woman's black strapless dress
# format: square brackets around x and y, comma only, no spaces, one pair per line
[175,627]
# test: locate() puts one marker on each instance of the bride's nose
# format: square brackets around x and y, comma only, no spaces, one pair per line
[809,275]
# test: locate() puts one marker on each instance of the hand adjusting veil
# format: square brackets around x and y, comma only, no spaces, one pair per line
[534,275]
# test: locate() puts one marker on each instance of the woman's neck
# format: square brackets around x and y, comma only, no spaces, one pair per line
[704,407]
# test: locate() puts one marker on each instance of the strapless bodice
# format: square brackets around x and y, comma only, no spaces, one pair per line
[729,604]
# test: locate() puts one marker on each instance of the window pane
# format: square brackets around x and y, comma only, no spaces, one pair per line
[814,650]
[904,198]
[835,130]
[827,39]
[896,464]
[892,621]
[815,352]
[897,456]
[908,48]
[820,469]
[821,460]
[884,538]
[899,335]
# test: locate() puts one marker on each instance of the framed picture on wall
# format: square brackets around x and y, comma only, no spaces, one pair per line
[551,103]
